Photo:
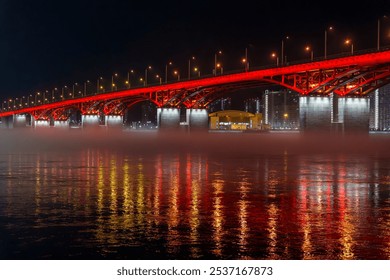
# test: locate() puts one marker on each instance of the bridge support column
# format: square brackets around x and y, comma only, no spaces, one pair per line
[41,123]
[7,122]
[61,124]
[354,113]
[334,114]
[315,113]
[168,118]
[20,121]
[90,121]
[198,119]
[114,121]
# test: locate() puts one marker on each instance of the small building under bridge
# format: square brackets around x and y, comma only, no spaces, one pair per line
[236,120]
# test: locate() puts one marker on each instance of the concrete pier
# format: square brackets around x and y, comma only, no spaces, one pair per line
[114,121]
[90,121]
[198,119]
[315,113]
[334,114]
[168,118]
[41,123]
[61,124]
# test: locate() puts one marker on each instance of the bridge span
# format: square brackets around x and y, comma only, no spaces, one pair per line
[333,93]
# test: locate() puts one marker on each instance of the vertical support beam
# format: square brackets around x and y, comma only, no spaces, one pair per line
[41,123]
[315,113]
[114,121]
[20,121]
[90,121]
[168,118]
[61,124]
[356,115]
[198,119]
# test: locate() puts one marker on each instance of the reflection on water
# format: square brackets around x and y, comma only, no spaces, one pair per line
[99,204]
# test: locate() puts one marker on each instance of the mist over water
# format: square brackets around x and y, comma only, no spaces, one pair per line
[165,195]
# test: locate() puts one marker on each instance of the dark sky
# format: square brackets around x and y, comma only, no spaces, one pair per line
[46,44]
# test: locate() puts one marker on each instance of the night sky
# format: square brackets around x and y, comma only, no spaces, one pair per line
[46,44]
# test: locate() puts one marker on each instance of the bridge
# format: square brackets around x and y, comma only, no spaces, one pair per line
[332,92]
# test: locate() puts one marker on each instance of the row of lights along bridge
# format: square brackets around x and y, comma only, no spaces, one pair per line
[130,81]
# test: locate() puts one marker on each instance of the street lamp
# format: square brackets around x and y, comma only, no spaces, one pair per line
[166,70]
[245,60]
[308,49]
[112,81]
[219,66]
[283,60]
[215,62]
[330,28]
[349,42]
[52,94]
[128,82]
[99,85]
[85,87]
[36,95]
[176,73]
[189,66]
[274,55]
[28,99]
[379,32]
[146,75]
[197,70]
[73,89]
[62,92]
[45,94]
[159,78]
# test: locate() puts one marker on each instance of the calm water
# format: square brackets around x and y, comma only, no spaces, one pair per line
[93,202]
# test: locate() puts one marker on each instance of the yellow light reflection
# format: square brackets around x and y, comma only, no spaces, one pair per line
[307,247]
[128,205]
[173,239]
[273,214]
[157,190]
[243,204]
[140,204]
[218,216]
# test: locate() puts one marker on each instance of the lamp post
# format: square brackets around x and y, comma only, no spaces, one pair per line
[379,33]
[166,70]
[52,94]
[176,73]
[308,49]
[189,66]
[113,86]
[159,78]
[85,87]
[73,88]
[197,70]
[274,55]
[45,94]
[128,82]
[28,99]
[146,75]
[215,62]
[245,60]
[326,40]
[99,85]
[349,42]
[283,60]
[36,95]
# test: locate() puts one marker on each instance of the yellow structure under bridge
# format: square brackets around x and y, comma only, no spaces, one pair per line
[236,120]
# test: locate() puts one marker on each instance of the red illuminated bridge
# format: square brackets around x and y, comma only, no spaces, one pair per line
[324,86]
